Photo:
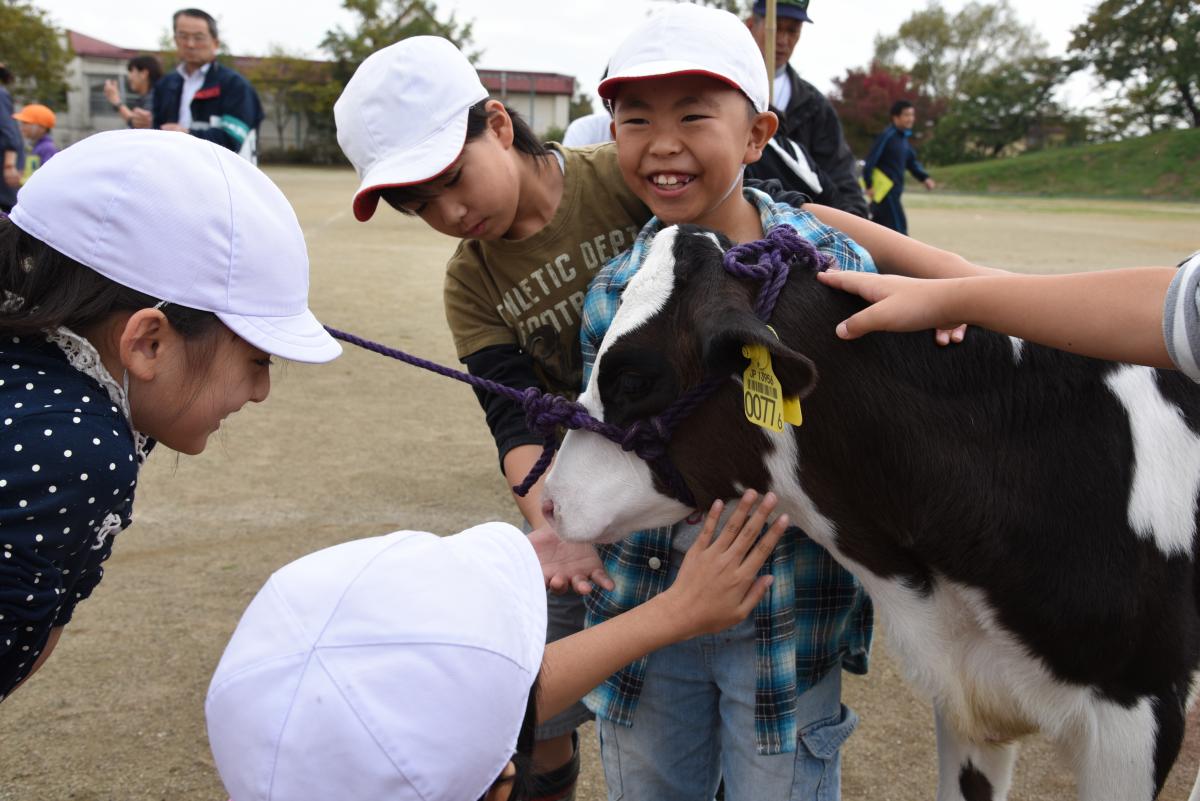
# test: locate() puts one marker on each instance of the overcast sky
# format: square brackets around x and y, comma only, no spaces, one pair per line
[573,37]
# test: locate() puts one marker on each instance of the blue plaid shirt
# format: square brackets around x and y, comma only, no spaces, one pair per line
[816,615]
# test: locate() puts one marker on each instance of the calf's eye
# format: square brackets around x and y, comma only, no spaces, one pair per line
[629,383]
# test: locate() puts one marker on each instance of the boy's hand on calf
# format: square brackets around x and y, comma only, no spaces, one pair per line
[568,565]
[718,583]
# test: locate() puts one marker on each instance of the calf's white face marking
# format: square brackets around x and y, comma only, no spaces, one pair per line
[601,493]
[1166,467]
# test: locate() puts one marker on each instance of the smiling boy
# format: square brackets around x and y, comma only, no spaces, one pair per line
[760,704]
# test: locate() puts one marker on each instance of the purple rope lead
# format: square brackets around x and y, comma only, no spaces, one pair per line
[766,260]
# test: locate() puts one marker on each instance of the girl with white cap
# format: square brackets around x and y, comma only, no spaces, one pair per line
[147,280]
[412,667]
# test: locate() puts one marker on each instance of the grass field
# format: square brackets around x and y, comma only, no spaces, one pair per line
[1163,166]
[365,446]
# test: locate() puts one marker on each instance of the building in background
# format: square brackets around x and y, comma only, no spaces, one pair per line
[542,98]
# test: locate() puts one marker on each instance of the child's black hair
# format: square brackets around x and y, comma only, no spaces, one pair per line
[6,76]
[41,290]
[148,63]
[899,106]
[522,780]
[524,140]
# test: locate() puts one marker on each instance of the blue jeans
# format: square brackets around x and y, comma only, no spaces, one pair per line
[694,723]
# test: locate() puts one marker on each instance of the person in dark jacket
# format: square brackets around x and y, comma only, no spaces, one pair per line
[204,98]
[805,115]
[893,155]
[12,146]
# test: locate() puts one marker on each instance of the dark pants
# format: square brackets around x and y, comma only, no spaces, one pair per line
[889,213]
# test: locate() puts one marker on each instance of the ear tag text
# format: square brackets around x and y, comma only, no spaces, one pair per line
[762,395]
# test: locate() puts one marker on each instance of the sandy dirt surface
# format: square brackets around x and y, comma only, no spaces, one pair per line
[365,446]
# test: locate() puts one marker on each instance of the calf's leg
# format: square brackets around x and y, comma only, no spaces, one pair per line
[1114,752]
[971,772]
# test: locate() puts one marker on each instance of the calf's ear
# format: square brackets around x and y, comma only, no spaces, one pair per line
[723,335]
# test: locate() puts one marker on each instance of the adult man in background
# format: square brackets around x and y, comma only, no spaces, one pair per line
[806,116]
[203,98]
[892,155]
[12,146]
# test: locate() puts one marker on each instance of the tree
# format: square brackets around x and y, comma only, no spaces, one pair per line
[581,106]
[34,51]
[863,100]
[739,7]
[1150,51]
[295,89]
[1001,107]
[948,51]
[384,22]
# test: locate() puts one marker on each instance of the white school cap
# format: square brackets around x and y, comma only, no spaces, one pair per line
[402,118]
[397,667]
[185,221]
[687,39]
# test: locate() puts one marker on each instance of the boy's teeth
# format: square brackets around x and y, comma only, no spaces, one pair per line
[666,180]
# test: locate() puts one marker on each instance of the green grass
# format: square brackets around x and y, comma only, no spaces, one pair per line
[1163,166]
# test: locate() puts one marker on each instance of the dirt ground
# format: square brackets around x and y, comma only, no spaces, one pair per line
[365,446]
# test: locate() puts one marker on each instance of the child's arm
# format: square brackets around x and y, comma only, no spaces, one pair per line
[1114,314]
[897,253]
[717,586]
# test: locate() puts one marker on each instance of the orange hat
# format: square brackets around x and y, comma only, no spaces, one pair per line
[36,114]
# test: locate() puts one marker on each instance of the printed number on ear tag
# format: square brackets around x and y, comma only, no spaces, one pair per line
[762,395]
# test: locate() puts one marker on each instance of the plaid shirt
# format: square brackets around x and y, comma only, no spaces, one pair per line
[815,617]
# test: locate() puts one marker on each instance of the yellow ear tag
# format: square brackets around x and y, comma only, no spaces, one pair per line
[762,396]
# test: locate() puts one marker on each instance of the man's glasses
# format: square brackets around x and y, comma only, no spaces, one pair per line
[191,38]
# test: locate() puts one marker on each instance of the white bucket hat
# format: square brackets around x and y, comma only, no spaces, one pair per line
[184,221]
[688,39]
[402,118]
[397,667]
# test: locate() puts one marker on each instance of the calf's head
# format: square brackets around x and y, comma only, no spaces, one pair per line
[682,319]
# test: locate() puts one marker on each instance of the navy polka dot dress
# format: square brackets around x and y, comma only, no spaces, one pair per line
[68,469]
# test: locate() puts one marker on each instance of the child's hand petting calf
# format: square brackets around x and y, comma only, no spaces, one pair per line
[718,583]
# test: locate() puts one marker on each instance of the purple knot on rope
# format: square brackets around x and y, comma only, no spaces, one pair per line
[768,260]
[545,414]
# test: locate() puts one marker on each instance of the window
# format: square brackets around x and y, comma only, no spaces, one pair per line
[98,105]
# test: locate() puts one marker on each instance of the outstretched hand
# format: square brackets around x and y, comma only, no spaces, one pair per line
[568,565]
[718,583]
[898,303]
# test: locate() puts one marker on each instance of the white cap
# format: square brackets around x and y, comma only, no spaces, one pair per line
[185,221]
[402,118]
[687,39]
[397,667]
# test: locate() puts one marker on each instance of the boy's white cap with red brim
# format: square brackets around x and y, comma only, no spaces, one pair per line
[185,221]
[688,39]
[396,667]
[402,118]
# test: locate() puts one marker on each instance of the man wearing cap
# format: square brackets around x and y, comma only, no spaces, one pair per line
[11,146]
[806,115]
[204,98]
[36,122]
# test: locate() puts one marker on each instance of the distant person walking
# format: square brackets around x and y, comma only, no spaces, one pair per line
[203,98]
[892,155]
[806,116]
[36,122]
[11,145]
[141,74]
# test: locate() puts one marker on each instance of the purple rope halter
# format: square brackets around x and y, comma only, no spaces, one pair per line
[766,260]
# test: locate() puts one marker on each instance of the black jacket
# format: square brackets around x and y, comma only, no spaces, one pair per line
[810,120]
[225,110]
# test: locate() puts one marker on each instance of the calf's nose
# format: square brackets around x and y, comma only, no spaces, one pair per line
[548,511]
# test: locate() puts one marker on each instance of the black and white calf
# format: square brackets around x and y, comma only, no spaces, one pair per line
[1024,519]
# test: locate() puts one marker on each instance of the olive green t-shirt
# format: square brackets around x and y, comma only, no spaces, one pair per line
[529,292]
